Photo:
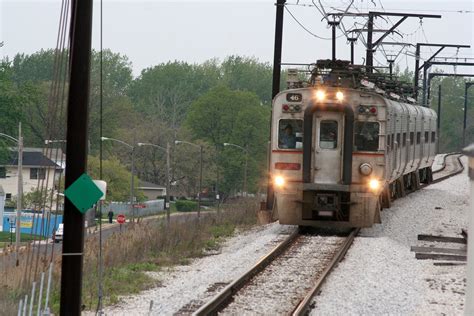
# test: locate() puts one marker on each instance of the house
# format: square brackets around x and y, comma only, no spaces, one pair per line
[38,170]
[151,191]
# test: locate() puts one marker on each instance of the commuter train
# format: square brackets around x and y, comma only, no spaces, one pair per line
[344,144]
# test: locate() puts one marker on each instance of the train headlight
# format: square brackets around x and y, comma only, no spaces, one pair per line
[320,95]
[279,181]
[339,96]
[365,169]
[374,184]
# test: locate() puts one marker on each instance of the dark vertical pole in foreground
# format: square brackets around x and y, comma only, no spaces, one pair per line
[76,154]
[280,6]
[370,52]
[417,65]
[333,25]
[438,122]
[352,41]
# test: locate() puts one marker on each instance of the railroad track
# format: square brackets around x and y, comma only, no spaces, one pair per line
[452,166]
[285,280]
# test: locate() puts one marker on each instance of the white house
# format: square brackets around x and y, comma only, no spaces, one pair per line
[38,170]
[150,190]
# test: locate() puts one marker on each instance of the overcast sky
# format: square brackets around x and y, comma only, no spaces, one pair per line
[152,32]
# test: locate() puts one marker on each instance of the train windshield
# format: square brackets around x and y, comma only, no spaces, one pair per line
[290,134]
[366,136]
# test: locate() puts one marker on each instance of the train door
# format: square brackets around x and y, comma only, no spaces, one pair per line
[328,147]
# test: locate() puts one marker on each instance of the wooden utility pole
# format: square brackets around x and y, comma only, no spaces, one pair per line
[76,154]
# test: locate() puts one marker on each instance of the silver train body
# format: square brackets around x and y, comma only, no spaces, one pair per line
[339,155]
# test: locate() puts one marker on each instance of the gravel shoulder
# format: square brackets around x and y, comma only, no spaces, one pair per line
[183,289]
[380,274]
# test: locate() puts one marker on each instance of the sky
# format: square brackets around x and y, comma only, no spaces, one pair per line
[153,32]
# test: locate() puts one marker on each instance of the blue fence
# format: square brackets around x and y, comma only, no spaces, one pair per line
[32,223]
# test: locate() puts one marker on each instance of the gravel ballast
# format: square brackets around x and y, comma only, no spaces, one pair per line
[183,289]
[380,274]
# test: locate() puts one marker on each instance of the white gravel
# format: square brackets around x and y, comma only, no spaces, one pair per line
[184,288]
[380,274]
[286,281]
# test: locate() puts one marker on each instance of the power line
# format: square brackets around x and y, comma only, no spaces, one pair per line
[306,29]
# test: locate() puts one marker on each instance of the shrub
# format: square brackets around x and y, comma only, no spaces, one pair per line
[186,206]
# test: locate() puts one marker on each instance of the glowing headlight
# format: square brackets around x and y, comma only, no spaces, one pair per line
[374,184]
[279,181]
[320,95]
[339,96]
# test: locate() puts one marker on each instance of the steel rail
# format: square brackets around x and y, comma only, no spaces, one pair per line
[456,172]
[304,305]
[220,300]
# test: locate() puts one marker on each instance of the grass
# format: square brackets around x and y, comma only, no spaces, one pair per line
[147,246]
[5,237]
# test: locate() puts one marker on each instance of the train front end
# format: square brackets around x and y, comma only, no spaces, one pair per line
[327,157]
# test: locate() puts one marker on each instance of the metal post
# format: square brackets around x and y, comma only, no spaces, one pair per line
[280,6]
[438,123]
[20,307]
[417,65]
[32,300]
[200,181]
[48,288]
[25,304]
[76,154]
[352,41]
[40,296]
[245,172]
[425,71]
[19,196]
[370,52]
[168,187]
[390,66]
[466,86]
[333,25]
[132,184]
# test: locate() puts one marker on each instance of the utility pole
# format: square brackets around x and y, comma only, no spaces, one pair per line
[76,154]
[168,185]
[200,180]
[132,183]
[280,6]
[438,120]
[467,85]
[19,196]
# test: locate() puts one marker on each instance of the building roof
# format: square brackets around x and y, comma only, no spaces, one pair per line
[149,185]
[30,158]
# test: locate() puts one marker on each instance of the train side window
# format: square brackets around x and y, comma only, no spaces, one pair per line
[427,137]
[290,134]
[404,139]
[388,142]
[418,138]
[412,138]
[398,139]
[433,137]
[366,136]
[328,135]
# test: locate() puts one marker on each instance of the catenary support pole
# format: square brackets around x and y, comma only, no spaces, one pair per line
[200,181]
[280,6]
[369,62]
[132,183]
[19,196]
[76,154]
[168,186]
[438,120]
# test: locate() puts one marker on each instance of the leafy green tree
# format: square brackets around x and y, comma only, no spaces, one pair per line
[225,116]
[117,178]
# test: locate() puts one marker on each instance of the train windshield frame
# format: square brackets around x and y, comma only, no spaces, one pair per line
[366,136]
[290,134]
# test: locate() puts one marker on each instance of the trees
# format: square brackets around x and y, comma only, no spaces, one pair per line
[116,176]
[223,115]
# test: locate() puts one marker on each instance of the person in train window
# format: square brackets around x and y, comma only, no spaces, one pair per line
[287,138]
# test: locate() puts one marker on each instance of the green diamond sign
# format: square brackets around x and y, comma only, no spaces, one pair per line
[83,193]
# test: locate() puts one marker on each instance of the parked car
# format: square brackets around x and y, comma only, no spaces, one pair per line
[58,234]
